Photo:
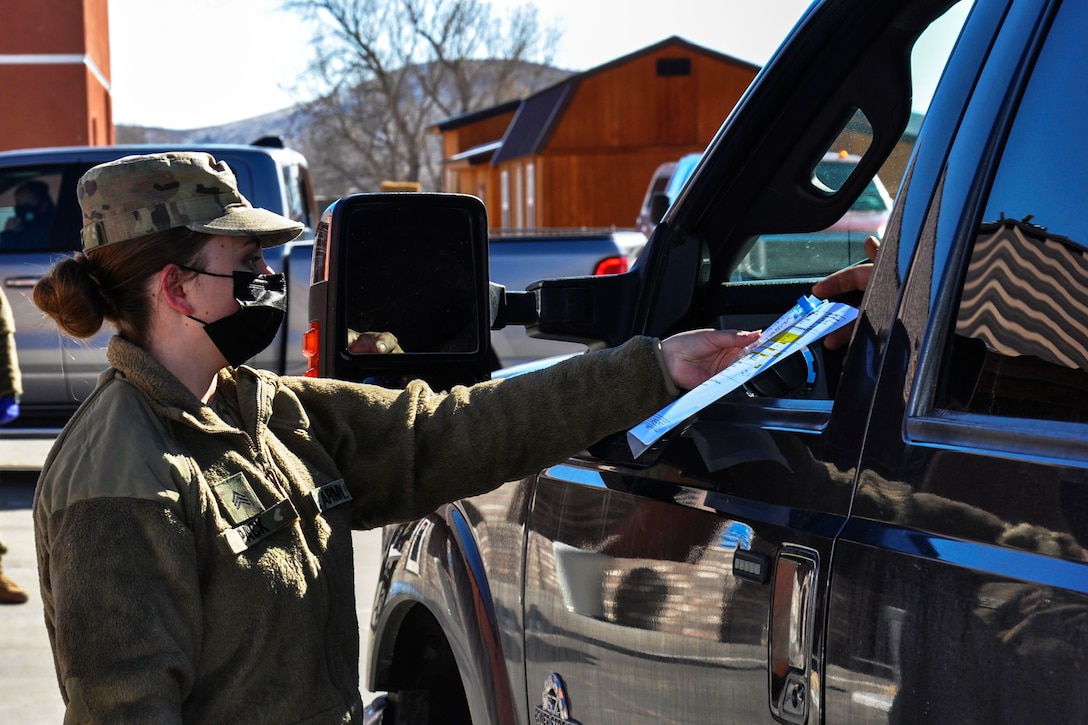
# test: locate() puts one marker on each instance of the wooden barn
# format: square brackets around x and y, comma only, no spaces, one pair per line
[581,153]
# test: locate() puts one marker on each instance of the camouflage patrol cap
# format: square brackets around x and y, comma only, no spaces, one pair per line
[139,195]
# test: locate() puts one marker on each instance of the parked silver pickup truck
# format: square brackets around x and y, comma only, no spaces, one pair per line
[40,220]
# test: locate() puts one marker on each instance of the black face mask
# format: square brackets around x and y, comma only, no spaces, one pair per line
[26,212]
[262,299]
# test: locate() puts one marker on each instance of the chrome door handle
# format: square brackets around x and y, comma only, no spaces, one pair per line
[794,694]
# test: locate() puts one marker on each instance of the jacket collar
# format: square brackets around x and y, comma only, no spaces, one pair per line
[249,394]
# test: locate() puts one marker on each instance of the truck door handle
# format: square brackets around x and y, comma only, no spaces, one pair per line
[790,646]
[21,282]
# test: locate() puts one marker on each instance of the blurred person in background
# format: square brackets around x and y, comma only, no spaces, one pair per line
[10,390]
[29,228]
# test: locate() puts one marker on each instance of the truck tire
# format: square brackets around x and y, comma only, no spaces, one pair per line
[425,685]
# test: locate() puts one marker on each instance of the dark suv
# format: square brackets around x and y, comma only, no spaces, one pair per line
[896,531]
[40,219]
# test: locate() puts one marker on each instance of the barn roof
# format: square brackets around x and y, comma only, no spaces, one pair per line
[465,119]
[538,114]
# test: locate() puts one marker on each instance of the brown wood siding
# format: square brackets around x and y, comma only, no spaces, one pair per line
[631,105]
[621,123]
[483,182]
[584,190]
[718,89]
[486,131]
[469,136]
[451,143]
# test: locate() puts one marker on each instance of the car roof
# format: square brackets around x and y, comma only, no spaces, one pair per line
[101,153]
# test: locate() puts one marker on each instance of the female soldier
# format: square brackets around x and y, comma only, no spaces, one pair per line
[193,519]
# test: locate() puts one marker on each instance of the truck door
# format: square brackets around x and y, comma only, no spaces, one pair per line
[690,584]
[960,590]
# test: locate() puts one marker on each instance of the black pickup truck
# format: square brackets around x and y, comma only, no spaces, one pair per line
[896,531]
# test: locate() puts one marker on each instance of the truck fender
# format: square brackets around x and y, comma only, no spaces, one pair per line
[436,565]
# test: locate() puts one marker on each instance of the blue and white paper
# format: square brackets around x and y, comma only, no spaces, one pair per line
[805,323]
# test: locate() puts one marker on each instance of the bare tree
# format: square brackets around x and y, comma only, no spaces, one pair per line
[386,69]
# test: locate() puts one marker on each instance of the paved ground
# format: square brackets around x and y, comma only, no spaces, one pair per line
[28,687]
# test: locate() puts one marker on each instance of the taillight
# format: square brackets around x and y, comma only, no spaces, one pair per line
[311,345]
[611,265]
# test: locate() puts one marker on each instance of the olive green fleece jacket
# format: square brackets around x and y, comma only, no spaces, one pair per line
[11,383]
[188,574]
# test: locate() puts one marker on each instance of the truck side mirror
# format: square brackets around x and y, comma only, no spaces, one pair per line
[410,266]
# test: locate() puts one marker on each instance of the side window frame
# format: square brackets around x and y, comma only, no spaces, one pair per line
[933,288]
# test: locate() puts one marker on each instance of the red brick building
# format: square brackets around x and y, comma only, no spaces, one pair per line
[55,72]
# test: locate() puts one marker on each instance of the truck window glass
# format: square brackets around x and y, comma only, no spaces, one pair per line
[815,254]
[1019,347]
[296,191]
[28,208]
[811,255]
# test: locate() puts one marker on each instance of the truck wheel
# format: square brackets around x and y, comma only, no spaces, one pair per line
[425,686]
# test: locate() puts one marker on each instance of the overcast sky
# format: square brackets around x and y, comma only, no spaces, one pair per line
[198,63]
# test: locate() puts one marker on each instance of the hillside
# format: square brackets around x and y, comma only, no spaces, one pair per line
[278,123]
[296,126]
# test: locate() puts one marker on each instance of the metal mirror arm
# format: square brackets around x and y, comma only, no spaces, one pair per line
[512,308]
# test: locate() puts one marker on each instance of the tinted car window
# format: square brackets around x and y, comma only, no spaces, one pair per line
[815,254]
[1020,343]
[297,192]
[874,198]
[28,208]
